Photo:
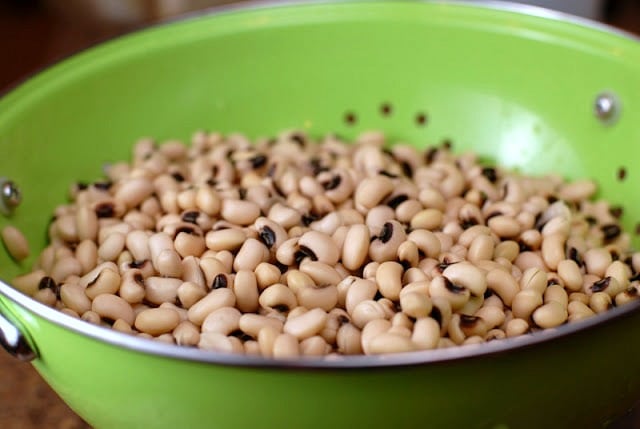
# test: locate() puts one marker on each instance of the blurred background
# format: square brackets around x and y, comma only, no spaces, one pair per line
[35,33]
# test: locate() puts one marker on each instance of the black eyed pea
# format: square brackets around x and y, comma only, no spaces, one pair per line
[426,333]
[278,297]
[208,201]
[427,242]
[322,246]
[388,306]
[503,284]
[371,330]
[412,275]
[343,289]
[286,346]
[556,293]
[113,307]
[64,268]
[389,279]
[535,279]
[377,217]
[28,283]
[367,311]
[579,296]
[106,281]
[407,210]
[441,311]
[526,260]
[481,248]
[112,246]
[189,243]
[124,258]
[161,289]
[336,318]
[322,274]
[531,238]
[251,253]
[553,250]
[421,287]
[600,302]
[570,274]
[456,295]
[65,227]
[297,280]
[608,284]
[470,234]
[298,311]
[73,296]
[283,215]
[252,348]
[339,237]
[400,330]
[508,249]
[189,293]
[472,325]
[579,311]
[245,287]
[516,327]
[597,261]
[356,247]
[266,275]
[387,342]
[619,271]
[46,297]
[348,340]
[211,269]
[495,334]
[86,223]
[220,343]
[183,313]
[91,317]
[525,302]
[240,212]
[323,297]
[223,320]
[467,275]
[493,316]
[369,270]
[270,233]
[314,346]
[384,247]
[558,225]
[429,219]
[415,305]
[216,298]
[306,325]
[371,191]
[137,242]
[408,254]
[550,315]
[122,326]
[87,254]
[191,271]
[359,290]
[251,324]
[401,319]
[472,305]
[225,239]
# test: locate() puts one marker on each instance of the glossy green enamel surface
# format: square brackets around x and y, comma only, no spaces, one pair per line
[517,89]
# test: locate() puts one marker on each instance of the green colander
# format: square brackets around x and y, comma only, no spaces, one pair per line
[523,87]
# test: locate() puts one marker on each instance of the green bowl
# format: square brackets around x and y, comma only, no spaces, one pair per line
[518,88]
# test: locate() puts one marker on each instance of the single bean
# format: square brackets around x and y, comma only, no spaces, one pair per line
[367,311]
[224,320]
[597,261]
[525,302]
[600,302]
[251,324]
[389,279]
[467,275]
[550,315]
[266,275]
[113,307]
[516,327]
[556,293]
[426,333]
[161,289]
[28,283]
[456,295]
[251,253]
[278,297]
[73,296]
[390,343]
[216,298]
[307,324]
[286,346]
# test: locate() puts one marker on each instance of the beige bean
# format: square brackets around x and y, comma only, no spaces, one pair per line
[73,296]
[91,317]
[215,299]
[371,191]
[161,289]
[251,253]
[245,287]
[525,302]
[286,346]
[578,311]
[369,270]
[367,311]
[389,279]
[556,293]
[112,246]
[133,191]
[504,226]
[322,274]
[597,261]
[600,302]
[157,321]
[208,201]
[360,290]
[323,297]
[550,315]
[225,239]
[356,248]
[553,250]
[426,333]
[427,242]
[372,329]
[252,324]
[456,295]
[266,275]
[65,267]
[503,284]
[87,255]
[86,223]
[390,343]
[526,260]
[467,275]
[619,271]
[220,343]
[534,278]
[577,191]
[322,246]
[224,320]
[516,327]
[348,340]
[113,307]
[314,346]
[278,297]
[495,334]
[481,248]
[189,293]
[28,283]
[416,305]
[252,348]
[570,274]
[307,324]
[429,219]
[493,316]
[240,212]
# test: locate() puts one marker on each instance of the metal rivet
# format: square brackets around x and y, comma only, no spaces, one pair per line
[10,196]
[606,107]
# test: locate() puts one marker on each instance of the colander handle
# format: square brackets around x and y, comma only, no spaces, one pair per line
[14,341]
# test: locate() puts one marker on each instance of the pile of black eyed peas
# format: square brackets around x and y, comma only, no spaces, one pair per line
[287,246]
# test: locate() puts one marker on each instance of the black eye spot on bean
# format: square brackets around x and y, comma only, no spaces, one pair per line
[610,231]
[304,252]
[268,237]
[430,155]
[138,279]
[298,138]
[308,219]
[282,267]
[591,220]
[616,211]
[386,233]
[622,173]
[614,255]
[333,183]
[631,291]
[468,321]
[190,216]
[406,169]
[281,308]
[436,315]
[444,264]
[212,182]
[343,320]
[397,200]
[177,177]
[81,186]
[350,118]
[386,109]
[492,214]
[387,174]
[490,173]
[575,256]
[451,287]
[219,282]
[187,230]
[103,186]
[104,210]
[552,281]
[258,161]
[468,223]
[46,283]
[421,119]
[552,199]
[137,264]
[601,285]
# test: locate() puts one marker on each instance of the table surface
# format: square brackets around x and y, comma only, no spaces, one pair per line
[31,37]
